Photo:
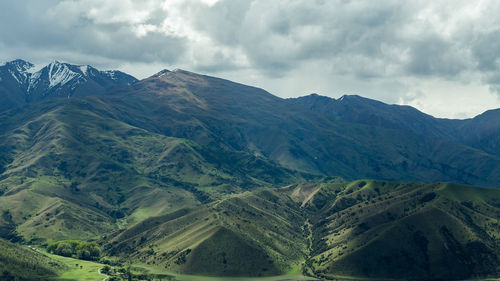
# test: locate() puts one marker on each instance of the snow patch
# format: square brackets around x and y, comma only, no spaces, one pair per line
[15,76]
[34,69]
[60,74]
[19,70]
[20,65]
[162,73]
[84,69]
[33,81]
[111,74]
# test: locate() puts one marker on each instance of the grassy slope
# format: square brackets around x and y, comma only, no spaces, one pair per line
[70,173]
[25,264]
[265,226]
[417,231]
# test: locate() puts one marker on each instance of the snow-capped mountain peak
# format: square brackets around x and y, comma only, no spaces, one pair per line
[19,65]
[57,79]
[18,70]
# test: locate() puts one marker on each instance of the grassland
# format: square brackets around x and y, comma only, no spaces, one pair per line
[153,270]
[79,270]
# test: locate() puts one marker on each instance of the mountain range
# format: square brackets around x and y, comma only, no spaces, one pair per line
[213,111]
[183,172]
[352,137]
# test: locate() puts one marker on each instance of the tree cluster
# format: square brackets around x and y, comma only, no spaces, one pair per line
[76,249]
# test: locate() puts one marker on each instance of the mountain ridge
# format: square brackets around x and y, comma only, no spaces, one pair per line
[480,132]
[214,111]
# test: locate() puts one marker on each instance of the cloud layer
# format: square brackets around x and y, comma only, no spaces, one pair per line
[422,53]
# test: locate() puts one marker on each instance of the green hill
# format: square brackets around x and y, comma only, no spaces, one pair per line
[363,229]
[17,263]
[68,172]
[406,231]
[249,234]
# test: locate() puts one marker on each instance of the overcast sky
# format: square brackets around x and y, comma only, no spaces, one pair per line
[443,57]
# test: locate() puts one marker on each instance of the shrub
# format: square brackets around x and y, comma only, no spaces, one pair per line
[64,249]
[88,251]
[106,269]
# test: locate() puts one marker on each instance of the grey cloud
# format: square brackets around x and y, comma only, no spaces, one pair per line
[223,22]
[115,42]
[493,80]
[353,37]
[434,55]
[486,52]
[278,37]
[36,25]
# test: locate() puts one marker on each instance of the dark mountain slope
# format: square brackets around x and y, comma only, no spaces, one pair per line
[481,132]
[352,138]
[12,90]
[360,110]
[218,112]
